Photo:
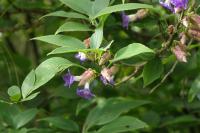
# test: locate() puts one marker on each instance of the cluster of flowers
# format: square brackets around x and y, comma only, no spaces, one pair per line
[191,22]
[106,76]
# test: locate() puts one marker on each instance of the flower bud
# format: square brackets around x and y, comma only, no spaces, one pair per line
[87,42]
[86,77]
[195,21]
[114,69]
[140,14]
[170,29]
[194,33]
[180,52]
[183,39]
[105,57]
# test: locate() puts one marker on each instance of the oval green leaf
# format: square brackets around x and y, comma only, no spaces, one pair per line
[134,50]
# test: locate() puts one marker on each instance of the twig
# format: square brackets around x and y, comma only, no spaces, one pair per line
[165,77]
[129,77]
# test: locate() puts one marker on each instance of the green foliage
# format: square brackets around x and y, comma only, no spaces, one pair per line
[149,54]
[152,71]
[134,50]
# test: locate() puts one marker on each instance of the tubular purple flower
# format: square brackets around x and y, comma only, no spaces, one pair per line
[85,93]
[125,20]
[174,6]
[81,56]
[167,5]
[69,79]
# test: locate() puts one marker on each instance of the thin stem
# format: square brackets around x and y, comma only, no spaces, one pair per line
[165,77]
[129,77]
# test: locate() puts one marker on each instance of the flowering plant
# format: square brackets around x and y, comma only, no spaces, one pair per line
[151,41]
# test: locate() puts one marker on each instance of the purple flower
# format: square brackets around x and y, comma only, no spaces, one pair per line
[85,93]
[69,79]
[105,81]
[125,20]
[81,56]
[174,5]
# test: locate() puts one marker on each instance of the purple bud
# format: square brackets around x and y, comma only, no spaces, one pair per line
[85,93]
[81,56]
[69,79]
[125,20]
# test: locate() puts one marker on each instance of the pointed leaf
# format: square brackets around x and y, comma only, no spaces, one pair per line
[82,6]
[45,72]
[97,38]
[61,40]
[65,15]
[121,7]
[72,26]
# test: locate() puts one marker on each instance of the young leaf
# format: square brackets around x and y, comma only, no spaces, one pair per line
[62,123]
[72,26]
[65,15]
[82,6]
[97,37]
[121,7]
[123,124]
[61,40]
[24,117]
[14,93]
[152,71]
[134,50]
[194,90]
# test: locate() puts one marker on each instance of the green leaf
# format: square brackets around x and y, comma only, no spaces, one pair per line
[194,90]
[121,7]
[61,40]
[111,110]
[123,124]
[98,5]
[14,93]
[152,71]
[62,50]
[62,123]
[82,6]
[65,15]
[45,72]
[24,117]
[136,50]
[72,26]
[97,37]
[30,97]
[82,104]
[28,83]
[181,119]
